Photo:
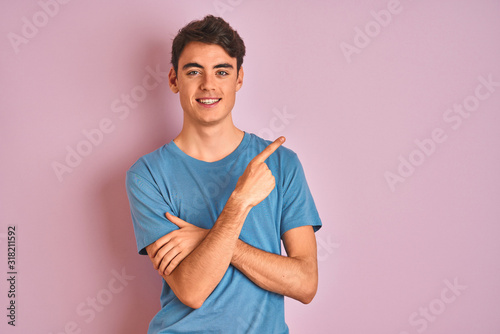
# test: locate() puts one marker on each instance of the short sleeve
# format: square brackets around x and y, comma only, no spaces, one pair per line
[147,207]
[299,208]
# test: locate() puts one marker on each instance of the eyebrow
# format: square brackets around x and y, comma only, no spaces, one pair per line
[223,65]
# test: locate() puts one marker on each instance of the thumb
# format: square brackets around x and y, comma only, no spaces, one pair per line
[176,220]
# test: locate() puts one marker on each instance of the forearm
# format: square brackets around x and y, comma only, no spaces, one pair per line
[295,277]
[199,273]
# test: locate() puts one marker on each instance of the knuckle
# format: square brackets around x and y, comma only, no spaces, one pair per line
[157,245]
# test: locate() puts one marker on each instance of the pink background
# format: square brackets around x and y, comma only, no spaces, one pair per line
[387,254]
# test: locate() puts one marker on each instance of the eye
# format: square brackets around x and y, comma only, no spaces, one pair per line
[194,72]
[222,73]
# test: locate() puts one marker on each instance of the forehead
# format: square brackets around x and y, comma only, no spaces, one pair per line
[205,54]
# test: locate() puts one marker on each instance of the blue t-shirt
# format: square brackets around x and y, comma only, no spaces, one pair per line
[196,191]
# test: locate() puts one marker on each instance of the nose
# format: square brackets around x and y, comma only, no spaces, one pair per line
[208,82]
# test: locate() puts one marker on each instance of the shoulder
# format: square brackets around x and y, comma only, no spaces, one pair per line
[152,162]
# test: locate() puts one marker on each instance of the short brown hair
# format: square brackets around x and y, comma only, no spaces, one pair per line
[210,30]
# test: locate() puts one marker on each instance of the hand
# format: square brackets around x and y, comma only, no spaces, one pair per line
[168,251]
[257,182]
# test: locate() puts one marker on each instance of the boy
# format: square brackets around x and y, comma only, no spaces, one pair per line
[211,207]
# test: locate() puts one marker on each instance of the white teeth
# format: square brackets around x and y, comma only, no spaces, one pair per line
[208,101]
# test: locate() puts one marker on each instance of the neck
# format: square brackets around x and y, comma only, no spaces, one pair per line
[210,143]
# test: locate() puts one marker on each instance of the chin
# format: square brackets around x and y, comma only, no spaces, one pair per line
[211,121]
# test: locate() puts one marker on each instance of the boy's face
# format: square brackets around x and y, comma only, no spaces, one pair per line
[207,82]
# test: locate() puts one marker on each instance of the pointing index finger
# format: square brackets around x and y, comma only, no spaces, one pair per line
[262,156]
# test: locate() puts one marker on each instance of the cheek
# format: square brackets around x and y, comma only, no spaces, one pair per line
[185,93]
[185,101]
[230,101]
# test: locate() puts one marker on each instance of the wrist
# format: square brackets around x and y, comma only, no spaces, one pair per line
[239,202]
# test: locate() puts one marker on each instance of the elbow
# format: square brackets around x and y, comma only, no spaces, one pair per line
[191,295]
[194,303]
[308,287]
[191,299]
[308,293]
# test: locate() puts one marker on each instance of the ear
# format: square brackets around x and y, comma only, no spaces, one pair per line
[172,81]
[239,80]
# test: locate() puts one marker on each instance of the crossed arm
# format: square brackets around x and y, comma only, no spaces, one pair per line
[193,260]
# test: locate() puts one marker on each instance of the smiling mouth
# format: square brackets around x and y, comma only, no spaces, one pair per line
[208,101]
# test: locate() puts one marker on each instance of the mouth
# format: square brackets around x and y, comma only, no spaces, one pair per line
[208,101]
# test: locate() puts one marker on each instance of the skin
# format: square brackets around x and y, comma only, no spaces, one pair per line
[207,134]
[193,260]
